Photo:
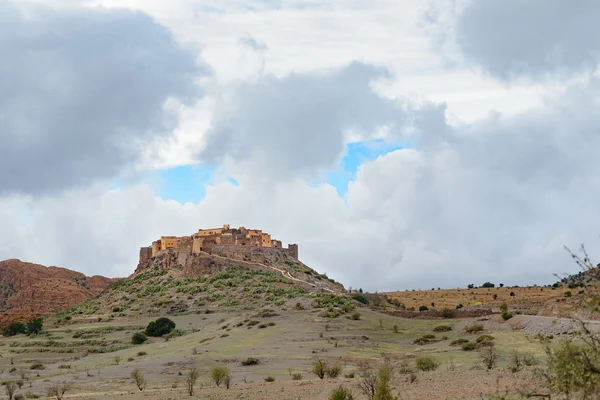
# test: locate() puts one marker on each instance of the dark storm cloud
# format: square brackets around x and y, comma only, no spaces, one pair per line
[80,88]
[296,124]
[531,39]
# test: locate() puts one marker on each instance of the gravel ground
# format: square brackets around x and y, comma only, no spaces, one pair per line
[551,326]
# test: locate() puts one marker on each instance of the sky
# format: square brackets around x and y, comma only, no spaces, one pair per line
[401,144]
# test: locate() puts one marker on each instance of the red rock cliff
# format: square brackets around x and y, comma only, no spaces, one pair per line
[33,288]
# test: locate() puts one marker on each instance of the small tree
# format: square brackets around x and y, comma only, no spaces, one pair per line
[139,379]
[160,327]
[221,375]
[319,368]
[11,388]
[59,389]
[488,285]
[489,356]
[368,380]
[34,326]
[191,379]
[423,308]
[383,390]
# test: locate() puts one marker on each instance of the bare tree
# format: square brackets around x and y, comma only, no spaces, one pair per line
[139,379]
[489,356]
[368,379]
[191,379]
[59,389]
[11,388]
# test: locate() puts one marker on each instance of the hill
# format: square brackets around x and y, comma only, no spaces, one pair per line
[267,320]
[166,284]
[32,288]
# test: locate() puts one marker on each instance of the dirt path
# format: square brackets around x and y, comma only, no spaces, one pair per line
[283,272]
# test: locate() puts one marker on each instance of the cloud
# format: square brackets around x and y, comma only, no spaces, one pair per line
[531,39]
[295,126]
[81,91]
[250,42]
[493,201]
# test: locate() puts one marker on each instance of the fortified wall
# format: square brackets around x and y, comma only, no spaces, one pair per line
[237,243]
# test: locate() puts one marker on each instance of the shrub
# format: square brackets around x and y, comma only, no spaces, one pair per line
[250,361]
[296,376]
[269,379]
[458,307]
[341,393]
[160,327]
[489,356]
[141,353]
[484,338]
[220,375]
[356,316]
[446,313]
[505,314]
[488,285]
[567,293]
[333,371]
[469,346]
[14,328]
[59,389]
[442,328]
[34,326]
[360,298]
[512,294]
[37,366]
[319,368]
[423,308]
[139,379]
[426,363]
[473,328]
[139,338]
[349,376]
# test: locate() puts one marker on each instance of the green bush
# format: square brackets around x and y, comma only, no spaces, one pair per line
[505,314]
[488,285]
[446,313]
[473,328]
[37,366]
[160,327]
[423,308]
[459,342]
[220,375]
[356,316]
[426,363]
[34,326]
[360,298]
[341,393]
[484,338]
[250,361]
[442,328]
[269,379]
[333,371]
[469,346]
[139,338]
[14,328]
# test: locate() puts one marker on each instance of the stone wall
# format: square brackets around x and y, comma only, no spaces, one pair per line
[145,254]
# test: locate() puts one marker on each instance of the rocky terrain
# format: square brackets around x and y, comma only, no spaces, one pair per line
[32,288]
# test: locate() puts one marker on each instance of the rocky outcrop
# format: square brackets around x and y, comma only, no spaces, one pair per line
[33,288]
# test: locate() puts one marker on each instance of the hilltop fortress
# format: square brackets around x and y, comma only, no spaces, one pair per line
[240,243]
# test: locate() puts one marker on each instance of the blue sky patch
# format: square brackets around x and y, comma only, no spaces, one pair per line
[357,154]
